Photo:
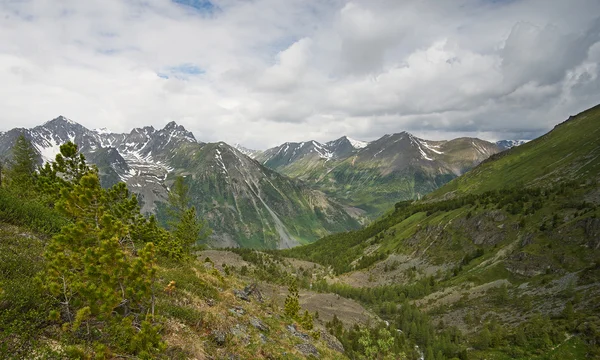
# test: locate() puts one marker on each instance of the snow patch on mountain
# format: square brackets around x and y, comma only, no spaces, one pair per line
[49,149]
[423,154]
[102,131]
[480,149]
[248,152]
[432,147]
[323,152]
[507,144]
[219,159]
[357,144]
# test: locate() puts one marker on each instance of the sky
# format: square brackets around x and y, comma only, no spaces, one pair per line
[263,72]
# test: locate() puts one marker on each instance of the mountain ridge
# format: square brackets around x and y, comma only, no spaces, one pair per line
[244,202]
[374,175]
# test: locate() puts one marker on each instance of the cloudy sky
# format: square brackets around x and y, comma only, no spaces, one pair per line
[261,72]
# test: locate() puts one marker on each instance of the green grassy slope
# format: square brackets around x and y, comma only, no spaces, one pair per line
[570,151]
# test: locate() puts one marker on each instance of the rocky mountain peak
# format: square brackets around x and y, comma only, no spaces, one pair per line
[178,131]
[507,144]
[146,130]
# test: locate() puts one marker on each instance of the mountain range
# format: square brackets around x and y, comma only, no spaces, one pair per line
[245,203]
[501,262]
[374,175]
[292,194]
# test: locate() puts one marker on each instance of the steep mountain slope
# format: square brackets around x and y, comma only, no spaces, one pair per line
[569,152]
[245,203]
[253,206]
[512,246]
[373,176]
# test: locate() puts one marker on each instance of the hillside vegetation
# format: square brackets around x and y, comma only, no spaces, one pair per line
[85,276]
[510,248]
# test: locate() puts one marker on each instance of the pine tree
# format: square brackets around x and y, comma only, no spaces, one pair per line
[520,338]
[429,353]
[93,267]
[307,321]
[178,199]
[292,302]
[90,262]
[484,339]
[186,229]
[568,313]
[440,355]
[63,173]
[22,166]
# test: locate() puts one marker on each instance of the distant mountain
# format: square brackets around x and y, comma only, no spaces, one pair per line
[249,152]
[245,203]
[375,175]
[507,144]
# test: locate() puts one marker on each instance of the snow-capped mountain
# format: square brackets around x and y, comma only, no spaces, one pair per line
[245,203]
[248,152]
[140,158]
[307,152]
[375,175]
[507,144]
[249,204]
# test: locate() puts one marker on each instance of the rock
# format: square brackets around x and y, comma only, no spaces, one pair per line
[527,239]
[219,337]
[237,310]
[241,294]
[240,332]
[332,342]
[497,215]
[263,338]
[308,349]
[249,290]
[259,325]
[292,329]
[210,302]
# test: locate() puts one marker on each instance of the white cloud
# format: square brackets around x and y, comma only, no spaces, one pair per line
[268,71]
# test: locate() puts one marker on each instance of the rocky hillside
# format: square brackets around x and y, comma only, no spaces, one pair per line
[503,252]
[245,203]
[373,176]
